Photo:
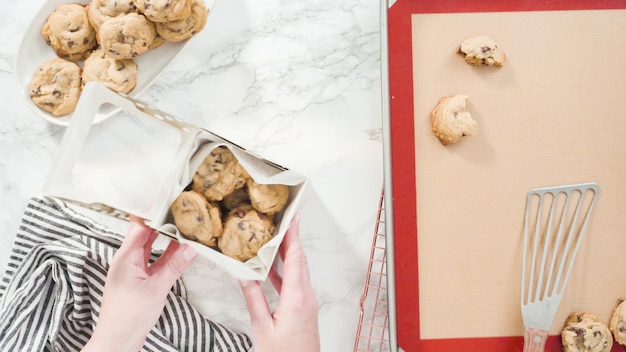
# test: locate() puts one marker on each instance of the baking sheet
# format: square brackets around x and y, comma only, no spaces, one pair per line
[552,115]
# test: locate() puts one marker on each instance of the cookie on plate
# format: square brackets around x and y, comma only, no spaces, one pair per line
[179,30]
[157,42]
[68,31]
[164,10]
[245,231]
[98,11]
[118,75]
[196,218]
[482,51]
[451,121]
[126,36]
[584,333]
[269,199]
[617,325]
[56,86]
[219,175]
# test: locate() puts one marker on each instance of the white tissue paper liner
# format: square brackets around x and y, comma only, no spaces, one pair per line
[140,160]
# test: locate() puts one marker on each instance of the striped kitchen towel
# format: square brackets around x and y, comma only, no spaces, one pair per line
[51,292]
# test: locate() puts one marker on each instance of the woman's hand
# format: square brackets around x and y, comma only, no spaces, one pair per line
[135,292]
[293,326]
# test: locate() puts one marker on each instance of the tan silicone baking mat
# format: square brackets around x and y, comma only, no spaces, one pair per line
[553,115]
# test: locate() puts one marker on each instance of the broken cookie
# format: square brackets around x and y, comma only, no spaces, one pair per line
[451,121]
[482,51]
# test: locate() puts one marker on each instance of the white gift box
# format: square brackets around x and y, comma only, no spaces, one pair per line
[139,160]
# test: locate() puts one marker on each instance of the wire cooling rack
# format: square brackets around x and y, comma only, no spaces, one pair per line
[373,331]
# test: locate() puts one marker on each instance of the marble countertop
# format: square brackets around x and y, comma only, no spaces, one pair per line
[297,82]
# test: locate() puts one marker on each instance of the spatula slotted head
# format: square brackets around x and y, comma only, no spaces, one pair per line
[554,225]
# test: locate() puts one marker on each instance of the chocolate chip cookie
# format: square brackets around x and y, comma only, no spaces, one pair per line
[617,325]
[584,333]
[179,30]
[245,231]
[118,75]
[482,51]
[196,218]
[99,11]
[126,36]
[219,175]
[164,10]
[68,31]
[451,121]
[269,199]
[56,86]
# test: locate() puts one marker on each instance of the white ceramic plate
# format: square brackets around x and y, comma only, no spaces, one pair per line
[34,50]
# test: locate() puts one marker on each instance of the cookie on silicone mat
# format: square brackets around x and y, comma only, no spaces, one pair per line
[267,198]
[219,174]
[245,232]
[118,75]
[56,86]
[482,51]
[126,36]
[99,11]
[617,324]
[583,332]
[451,121]
[196,218]
[68,31]
[183,29]
[164,10]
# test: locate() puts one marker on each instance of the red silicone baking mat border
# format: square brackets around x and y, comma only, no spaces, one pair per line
[403,167]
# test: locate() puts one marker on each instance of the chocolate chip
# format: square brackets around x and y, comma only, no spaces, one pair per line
[74,30]
[240,213]
[485,49]
[70,43]
[252,237]
[199,218]
[579,332]
[241,225]
[56,93]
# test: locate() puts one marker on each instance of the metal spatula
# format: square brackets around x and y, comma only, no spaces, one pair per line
[554,225]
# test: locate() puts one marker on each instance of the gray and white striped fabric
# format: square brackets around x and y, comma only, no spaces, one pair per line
[51,292]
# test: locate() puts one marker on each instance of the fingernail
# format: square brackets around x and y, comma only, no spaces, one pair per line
[189,253]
